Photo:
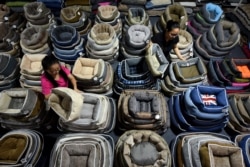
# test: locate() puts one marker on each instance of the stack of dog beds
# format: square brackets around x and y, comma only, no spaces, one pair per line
[21,148]
[31,71]
[218,41]
[239,117]
[85,4]
[136,16]
[54,5]
[200,108]
[133,74]
[110,15]
[125,5]
[205,150]
[22,108]
[82,149]
[232,74]
[156,60]
[38,15]
[93,75]
[202,21]
[67,43]
[102,43]
[76,17]
[9,71]
[86,112]
[175,12]
[35,40]
[185,46]
[135,41]
[143,109]
[14,19]
[9,40]
[241,17]
[142,148]
[183,74]
[242,140]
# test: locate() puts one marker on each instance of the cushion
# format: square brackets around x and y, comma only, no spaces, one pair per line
[31,63]
[102,33]
[211,12]
[66,102]
[107,13]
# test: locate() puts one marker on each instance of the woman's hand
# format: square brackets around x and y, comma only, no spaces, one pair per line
[77,90]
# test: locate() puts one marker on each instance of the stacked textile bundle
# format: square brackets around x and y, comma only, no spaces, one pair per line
[76,17]
[9,41]
[86,112]
[35,40]
[67,43]
[242,141]
[232,74]
[136,16]
[239,118]
[133,74]
[14,19]
[218,41]
[82,149]
[143,109]
[102,43]
[125,5]
[21,148]
[185,46]
[110,15]
[202,21]
[205,150]
[175,12]
[142,148]
[54,5]
[183,74]
[23,108]
[9,71]
[135,41]
[200,108]
[93,75]
[31,71]
[38,15]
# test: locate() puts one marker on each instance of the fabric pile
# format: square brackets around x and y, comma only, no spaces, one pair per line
[239,119]
[85,112]
[14,19]
[232,74]
[175,12]
[242,141]
[218,41]
[156,60]
[54,5]
[135,41]
[136,16]
[142,148]
[205,150]
[23,108]
[110,15]
[143,109]
[31,71]
[125,5]
[133,74]
[202,21]
[102,43]
[35,40]
[9,71]
[67,43]
[93,75]
[9,41]
[200,108]
[21,148]
[38,15]
[82,149]
[185,46]
[76,17]
[183,74]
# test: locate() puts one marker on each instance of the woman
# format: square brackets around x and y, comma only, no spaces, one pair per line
[169,38]
[55,75]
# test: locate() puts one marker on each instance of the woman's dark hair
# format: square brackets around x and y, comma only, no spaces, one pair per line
[47,62]
[172,25]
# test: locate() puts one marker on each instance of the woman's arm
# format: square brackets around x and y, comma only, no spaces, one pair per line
[73,82]
[177,52]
